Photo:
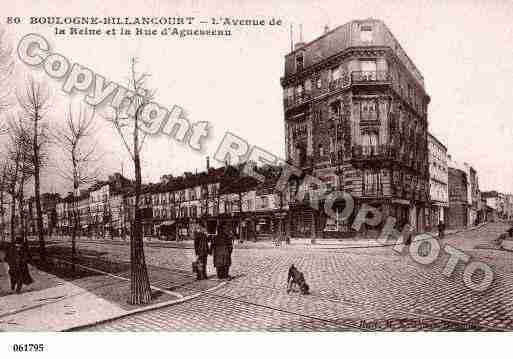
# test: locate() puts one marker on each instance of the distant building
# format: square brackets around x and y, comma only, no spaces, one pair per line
[438,182]
[509,207]
[458,204]
[491,199]
[473,192]
[48,210]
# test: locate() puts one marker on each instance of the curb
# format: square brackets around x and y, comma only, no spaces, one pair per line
[181,299]
[145,309]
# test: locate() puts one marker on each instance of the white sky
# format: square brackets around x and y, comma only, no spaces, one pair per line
[463,49]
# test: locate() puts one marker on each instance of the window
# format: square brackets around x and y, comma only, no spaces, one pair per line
[371,182]
[299,90]
[369,142]
[308,85]
[290,92]
[368,110]
[366,33]
[335,108]
[227,207]
[264,202]
[335,73]
[368,69]
[299,62]
[321,150]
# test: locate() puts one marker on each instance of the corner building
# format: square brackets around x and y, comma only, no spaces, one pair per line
[355,111]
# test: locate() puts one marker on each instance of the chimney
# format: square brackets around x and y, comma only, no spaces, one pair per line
[326,29]
[300,43]
[208,163]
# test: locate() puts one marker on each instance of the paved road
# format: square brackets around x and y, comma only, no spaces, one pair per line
[352,289]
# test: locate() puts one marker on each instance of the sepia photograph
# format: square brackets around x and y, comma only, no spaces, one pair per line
[241,168]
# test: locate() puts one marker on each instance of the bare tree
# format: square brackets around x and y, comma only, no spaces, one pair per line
[17,170]
[79,165]
[6,71]
[3,190]
[127,124]
[35,102]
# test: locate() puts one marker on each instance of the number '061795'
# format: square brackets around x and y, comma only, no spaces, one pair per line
[28,347]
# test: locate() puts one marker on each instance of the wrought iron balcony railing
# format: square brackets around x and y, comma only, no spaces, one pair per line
[346,80]
[372,191]
[373,151]
[342,82]
[369,76]
[297,99]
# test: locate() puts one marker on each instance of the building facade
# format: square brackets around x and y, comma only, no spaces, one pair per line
[355,110]
[475,197]
[438,182]
[458,203]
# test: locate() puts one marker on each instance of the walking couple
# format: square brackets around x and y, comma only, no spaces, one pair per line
[16,258]
[220,246]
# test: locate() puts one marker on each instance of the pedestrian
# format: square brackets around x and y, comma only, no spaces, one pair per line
[201,249]
[17,258]
[441,229]
[222,248]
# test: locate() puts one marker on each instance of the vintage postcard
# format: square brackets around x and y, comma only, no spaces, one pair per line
[255,166]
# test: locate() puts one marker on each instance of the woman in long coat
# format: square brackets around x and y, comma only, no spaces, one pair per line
[17,259]
[222,248]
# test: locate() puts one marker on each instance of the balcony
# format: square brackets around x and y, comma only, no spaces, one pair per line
[374,152]
[297,99]
[372,191]
[365,77]
[369,122]
[342,82]
[354,78]
[379,155]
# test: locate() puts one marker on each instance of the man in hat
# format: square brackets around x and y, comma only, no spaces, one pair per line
[201,250]
[222,248]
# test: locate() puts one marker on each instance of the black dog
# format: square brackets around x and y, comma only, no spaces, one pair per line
[296,279]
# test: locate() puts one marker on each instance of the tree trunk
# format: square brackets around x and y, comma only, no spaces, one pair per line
[140,291]
[13,201]
[21,198]
[37,194]
[13,218]
[74,231]
[2,224]
[241,239]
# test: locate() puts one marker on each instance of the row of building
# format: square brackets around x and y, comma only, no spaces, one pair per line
[355,114]
[455,195]
[169,207]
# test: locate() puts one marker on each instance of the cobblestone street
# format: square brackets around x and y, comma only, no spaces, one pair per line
[351,289]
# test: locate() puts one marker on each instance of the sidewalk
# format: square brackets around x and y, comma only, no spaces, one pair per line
[320,243]
[58,301]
